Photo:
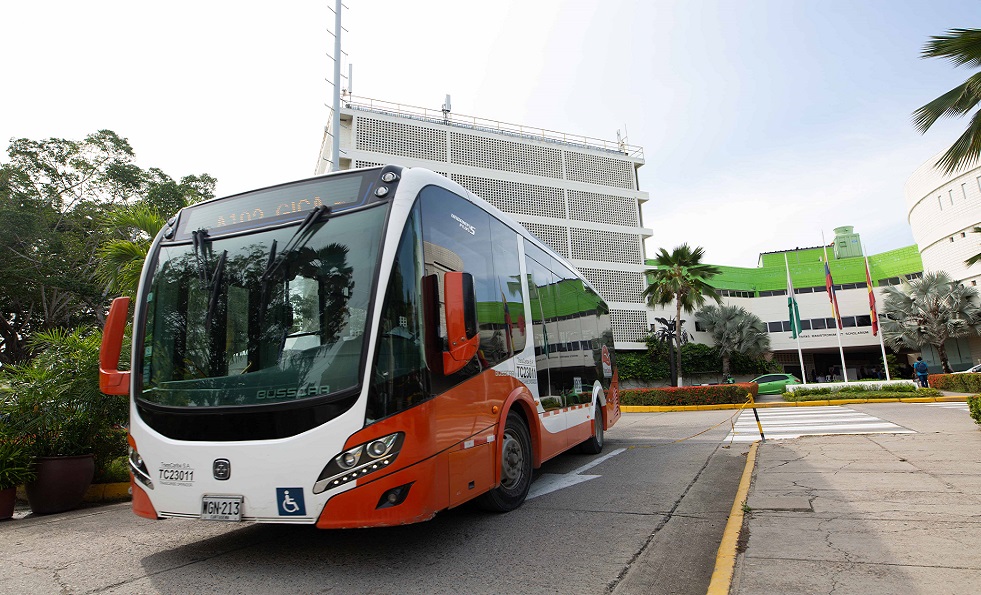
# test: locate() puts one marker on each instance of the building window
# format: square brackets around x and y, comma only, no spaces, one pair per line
[786,325]
[818,323]
[951,194]
[848,321]
[863,320]
[699,327]
[940,202]
[974,283]
[964,190]
[963,235]
[951,239]
[805,325]
[774,327]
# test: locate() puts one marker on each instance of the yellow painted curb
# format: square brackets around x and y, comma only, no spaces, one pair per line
[669,408]
[725,559]
[107,492]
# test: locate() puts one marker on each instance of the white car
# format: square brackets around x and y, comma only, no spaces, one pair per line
[973,370]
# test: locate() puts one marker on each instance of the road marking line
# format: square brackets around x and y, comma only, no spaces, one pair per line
[551,482]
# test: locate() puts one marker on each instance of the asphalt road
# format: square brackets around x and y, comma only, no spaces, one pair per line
[645,516]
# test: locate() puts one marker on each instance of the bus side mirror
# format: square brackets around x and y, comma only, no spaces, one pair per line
[461,321]
[111,380]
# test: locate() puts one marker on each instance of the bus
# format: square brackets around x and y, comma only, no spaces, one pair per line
[363,348]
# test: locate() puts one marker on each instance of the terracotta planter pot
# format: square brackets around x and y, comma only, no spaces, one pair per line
[8,497]
[61,483]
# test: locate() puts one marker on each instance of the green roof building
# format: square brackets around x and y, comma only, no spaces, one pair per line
[763,291]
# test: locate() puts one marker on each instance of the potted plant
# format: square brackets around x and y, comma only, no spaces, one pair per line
[16,468]
[55,407]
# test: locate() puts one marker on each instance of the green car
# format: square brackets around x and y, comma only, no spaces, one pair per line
[773,384]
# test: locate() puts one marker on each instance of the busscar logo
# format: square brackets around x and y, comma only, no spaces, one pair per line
[466,226]
[309,390]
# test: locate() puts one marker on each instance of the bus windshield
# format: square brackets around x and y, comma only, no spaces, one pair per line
[272,316]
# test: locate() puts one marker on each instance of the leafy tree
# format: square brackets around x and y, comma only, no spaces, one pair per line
[681,278]
[962,47]
[928,311]
[55,197]
[734,330]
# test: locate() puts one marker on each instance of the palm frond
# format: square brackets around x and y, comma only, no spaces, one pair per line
[965,150]
[960,46]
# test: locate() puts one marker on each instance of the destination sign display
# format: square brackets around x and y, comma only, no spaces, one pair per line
[291,201]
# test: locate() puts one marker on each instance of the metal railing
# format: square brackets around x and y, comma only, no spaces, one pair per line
[483,124]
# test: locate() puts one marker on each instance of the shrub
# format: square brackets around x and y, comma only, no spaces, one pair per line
[717,394]
[974,406]
[807,395]
[54,404]
[957,383]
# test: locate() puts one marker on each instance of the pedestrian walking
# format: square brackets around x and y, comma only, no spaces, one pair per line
[921,369]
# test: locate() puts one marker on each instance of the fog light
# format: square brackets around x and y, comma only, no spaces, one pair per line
[394,496]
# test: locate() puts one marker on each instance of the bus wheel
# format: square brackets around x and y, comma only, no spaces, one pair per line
[594,445]
[515,467]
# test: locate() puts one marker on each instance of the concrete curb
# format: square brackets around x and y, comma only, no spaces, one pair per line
[725,559]
[107,492]
[665,408]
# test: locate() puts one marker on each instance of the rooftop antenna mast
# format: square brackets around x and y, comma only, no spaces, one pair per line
[335,125]
[446,108]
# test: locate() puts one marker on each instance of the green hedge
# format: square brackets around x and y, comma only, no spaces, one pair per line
[856,388]
[882,394]
[957,383]
[716,394]
[974,405]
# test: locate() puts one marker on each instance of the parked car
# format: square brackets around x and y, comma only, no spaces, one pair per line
[973,370]
[773,384]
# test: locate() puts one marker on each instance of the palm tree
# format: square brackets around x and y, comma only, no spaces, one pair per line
[734,330]
[928,311]
[962,47]
[122,259]
[681,278]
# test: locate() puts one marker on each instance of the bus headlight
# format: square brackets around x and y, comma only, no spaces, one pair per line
[359,461]
[138,468]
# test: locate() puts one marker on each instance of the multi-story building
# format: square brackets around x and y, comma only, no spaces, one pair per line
[578,195]
[943,210]
[763,291]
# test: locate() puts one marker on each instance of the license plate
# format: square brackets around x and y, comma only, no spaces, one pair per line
[221,508]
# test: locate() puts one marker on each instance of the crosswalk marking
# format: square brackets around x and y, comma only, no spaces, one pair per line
[957,405]
[779,424]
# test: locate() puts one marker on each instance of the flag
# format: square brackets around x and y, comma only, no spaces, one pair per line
[875,317]
[829,284]
[794,311]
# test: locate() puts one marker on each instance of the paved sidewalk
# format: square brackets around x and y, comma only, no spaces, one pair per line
[865,514]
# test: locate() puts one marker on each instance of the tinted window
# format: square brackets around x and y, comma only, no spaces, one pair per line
[458,236]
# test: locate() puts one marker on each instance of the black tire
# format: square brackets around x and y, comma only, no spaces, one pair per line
[594,445]
[515,467]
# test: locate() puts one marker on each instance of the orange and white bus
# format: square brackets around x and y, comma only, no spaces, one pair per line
[364,348]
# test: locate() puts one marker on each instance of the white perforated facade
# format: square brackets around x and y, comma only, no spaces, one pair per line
[578,195]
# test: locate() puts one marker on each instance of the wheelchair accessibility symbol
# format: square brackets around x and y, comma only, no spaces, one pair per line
[290,502]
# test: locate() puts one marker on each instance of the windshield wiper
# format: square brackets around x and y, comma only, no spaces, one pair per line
[217,280]
[199,240]
[300,237]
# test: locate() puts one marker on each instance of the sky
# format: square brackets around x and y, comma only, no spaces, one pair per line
[763,123]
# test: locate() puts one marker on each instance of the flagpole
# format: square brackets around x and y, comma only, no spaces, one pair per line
[834,310]
[793,321]
[882,345]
